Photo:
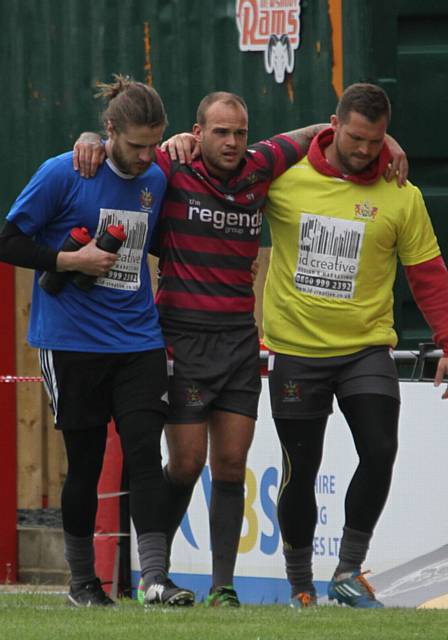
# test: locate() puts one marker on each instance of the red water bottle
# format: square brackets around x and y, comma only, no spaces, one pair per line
[110,241]
[53,281]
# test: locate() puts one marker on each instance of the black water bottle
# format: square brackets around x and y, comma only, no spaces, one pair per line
[110,241]
[53,281]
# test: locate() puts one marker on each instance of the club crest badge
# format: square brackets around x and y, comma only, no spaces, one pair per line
[291,392]
[193,396]
[365,211]
[146,199]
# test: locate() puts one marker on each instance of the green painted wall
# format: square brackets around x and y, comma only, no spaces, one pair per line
[403,46]
[52,53]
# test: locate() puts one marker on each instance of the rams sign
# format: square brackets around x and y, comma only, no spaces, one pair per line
[271,26]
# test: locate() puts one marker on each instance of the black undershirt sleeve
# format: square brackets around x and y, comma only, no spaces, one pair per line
[154,247]
[21,250]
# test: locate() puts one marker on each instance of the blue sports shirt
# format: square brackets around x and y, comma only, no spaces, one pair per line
[118,315]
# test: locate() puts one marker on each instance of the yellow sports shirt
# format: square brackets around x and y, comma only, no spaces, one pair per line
[329,288]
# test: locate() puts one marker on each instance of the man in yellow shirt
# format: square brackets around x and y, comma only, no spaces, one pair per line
[337,229]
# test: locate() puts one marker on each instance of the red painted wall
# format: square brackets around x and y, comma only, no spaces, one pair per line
[8,536]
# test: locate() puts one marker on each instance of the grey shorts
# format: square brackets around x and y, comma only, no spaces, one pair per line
[212,371]
[305,387]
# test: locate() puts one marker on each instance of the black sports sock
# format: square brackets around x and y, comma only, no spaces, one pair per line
[226,519]
[179,496]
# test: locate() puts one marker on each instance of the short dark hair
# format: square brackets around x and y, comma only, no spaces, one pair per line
[367,99]
[131,102]
[217,96]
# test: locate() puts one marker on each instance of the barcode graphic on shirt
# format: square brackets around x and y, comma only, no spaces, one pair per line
[126,272]
[327,239]
[135,232]
[329,251]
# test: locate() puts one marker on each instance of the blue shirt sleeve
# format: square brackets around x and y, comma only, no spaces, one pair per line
[41,199]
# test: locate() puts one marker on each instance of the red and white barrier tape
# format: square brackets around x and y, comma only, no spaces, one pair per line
[10,379]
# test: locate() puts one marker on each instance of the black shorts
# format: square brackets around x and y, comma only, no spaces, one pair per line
[212,371]
[304,387]
[86,390]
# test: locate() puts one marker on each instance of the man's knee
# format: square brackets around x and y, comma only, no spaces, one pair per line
[186,469]
[187,451]
[383,453]
[229,466]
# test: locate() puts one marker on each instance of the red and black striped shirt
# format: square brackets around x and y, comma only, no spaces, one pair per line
[210,234]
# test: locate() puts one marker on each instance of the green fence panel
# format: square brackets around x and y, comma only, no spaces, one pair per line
[52,54]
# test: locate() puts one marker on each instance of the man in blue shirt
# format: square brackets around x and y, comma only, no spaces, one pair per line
[101,350]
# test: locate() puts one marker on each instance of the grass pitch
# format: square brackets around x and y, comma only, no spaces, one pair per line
[47,617]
